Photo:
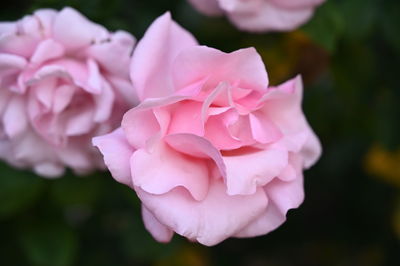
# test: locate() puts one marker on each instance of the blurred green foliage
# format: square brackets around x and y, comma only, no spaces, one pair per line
[349,56]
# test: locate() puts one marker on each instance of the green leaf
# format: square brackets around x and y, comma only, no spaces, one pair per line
[18,190]
[49,244]
[326,27]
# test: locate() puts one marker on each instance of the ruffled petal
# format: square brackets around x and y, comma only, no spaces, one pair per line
[282,196]
[199,147]
[173,169]
[154,54]
[243,68]
[208,7]
[210,221]
[297,4]
[283,107]
[46,50]
[159,231]
[116,153]
[120,45]
[15,120]
[249,170]
[74,31]
[270,17]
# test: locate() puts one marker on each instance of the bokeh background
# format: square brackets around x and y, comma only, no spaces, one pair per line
[349,56]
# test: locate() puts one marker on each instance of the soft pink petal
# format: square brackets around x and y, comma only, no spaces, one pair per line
[123,87]
[162,168]
[186,118]
[120,45]
[95,80]
[297,4]
[159,231]
[74,31]
[117,153]
[240,5]
[27,147]
[46,17]
[270,17]
[283,106]
[77,155]
[7,27]
[282,197]
[5,96]
[219,130]
[263,129]
[208,7]
[198,147]
[104,104]
[139,126]
[80,121]
[49,169]
[268,221]
[10,64]
[154,54]
[243,68]
[46,50]
[20,38]
[62,97]
[249,170]
[210,221]
[311,150]
[44,91]
[14,118]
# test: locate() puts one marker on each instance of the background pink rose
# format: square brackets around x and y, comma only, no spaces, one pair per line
[63,80]
[212,151]
[261,15]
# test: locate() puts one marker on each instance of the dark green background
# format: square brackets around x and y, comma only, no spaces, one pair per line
[349,57]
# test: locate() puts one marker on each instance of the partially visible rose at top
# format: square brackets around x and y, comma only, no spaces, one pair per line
[261,15]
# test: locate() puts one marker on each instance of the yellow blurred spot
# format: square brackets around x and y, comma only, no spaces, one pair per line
[187,255]
[295,53]
[396,220]
[384,164]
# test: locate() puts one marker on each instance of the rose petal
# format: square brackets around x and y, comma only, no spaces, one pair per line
[282,197]
[210,221]
[173,169]
[198,147]
[263,129]
[46,50]
[120,45]
[74,31]
[154,54]
[260,168]
[283,106]
[243,68]
[117,153]
[208,7]
[297,4]
[14,118]
[104,104]
[271,17]
[160,232]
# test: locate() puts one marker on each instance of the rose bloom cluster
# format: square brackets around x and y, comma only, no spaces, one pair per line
[261,15]
[209,147]
[212,150]
[59,87]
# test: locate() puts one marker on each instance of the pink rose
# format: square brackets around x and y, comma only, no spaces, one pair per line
[63,80]
[261,15]
[212,151]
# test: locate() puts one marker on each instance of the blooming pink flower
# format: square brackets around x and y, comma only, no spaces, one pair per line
[261,15]
[63,80]
[212,151]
